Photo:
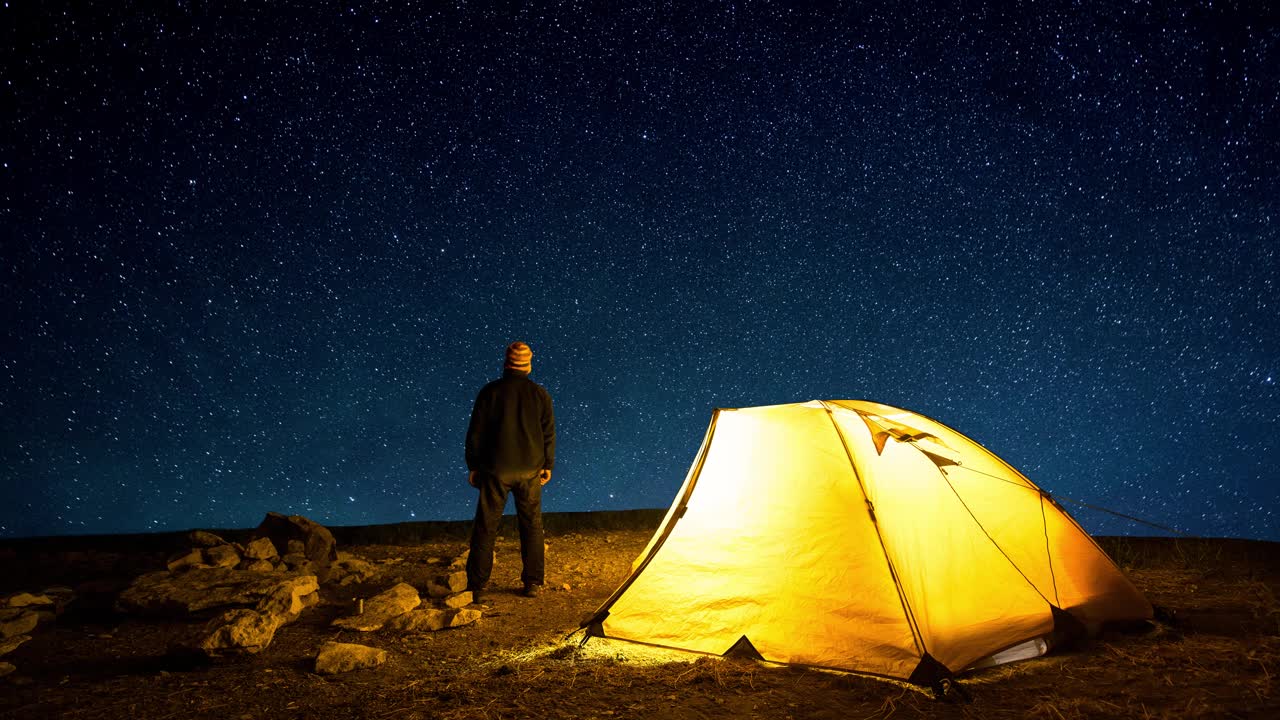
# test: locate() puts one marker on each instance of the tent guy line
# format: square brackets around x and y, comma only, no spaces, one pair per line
[1054,497]
[1099,508]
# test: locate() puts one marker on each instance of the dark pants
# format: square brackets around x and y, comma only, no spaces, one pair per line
[493,499]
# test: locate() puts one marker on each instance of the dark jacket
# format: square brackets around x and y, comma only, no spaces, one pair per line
[512,434]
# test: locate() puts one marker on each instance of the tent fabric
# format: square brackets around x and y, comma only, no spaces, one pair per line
[853,535]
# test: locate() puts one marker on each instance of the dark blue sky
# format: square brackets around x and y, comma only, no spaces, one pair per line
[261,258]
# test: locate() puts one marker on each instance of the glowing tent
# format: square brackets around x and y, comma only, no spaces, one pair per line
[852,535]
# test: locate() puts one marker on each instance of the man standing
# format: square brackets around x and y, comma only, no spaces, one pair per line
[511,447]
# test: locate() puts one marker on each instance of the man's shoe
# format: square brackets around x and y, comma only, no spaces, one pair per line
[532,590]
[475,595]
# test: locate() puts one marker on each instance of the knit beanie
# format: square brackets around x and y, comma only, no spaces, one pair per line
[519,357]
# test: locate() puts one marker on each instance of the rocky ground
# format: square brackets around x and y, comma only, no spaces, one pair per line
[1214,656]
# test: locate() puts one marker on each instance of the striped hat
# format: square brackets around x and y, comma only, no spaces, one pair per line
[519,357]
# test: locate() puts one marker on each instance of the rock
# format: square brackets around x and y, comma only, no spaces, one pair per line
[240,631]
[426,620]
[291,597]
[433,619]
[161,593]
[351,569]
[24,599]
[458,600]
[337,657]
[566,587]
[297,547]
[297,562]
[261,549]
[8,645]
[317,543]
[464,616]
[17,621]
[243,631]
[7,668]
[261,566]
[184,561]
[436,590]
[455,581]
[204,539]
[222,556]
[293,558]
[62,597]
[381,608]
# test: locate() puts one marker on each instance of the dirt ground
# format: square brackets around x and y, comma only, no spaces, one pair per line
[1213,656]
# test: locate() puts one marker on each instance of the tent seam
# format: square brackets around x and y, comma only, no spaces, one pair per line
[1048,552]
[916,635]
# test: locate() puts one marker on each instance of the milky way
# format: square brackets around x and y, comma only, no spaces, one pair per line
[261,257]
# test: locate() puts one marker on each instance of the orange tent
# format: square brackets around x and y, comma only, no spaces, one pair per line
[852,535]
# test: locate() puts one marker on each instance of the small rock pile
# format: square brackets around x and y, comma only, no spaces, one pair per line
[400,609]
[278,544]
[248,591]
[254,589]
[20,615]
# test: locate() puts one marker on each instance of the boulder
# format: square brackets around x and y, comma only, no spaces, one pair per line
[293,558]
[455,581]
[261,549]
[8,645]
[61,594]
[464,616]
[222,556]
[424,620]
[203,539]
[433,619]
[186,560]
[25,599]
[164,594]
[260,566]
[351,569]
[457,600]
[291,597]
[238,632]
[316,542]
[7,668]
[297,562]
[337,657]
[381,608]
[17,621]
[246,632]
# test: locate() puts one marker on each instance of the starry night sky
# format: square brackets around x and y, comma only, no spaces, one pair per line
[260,256]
